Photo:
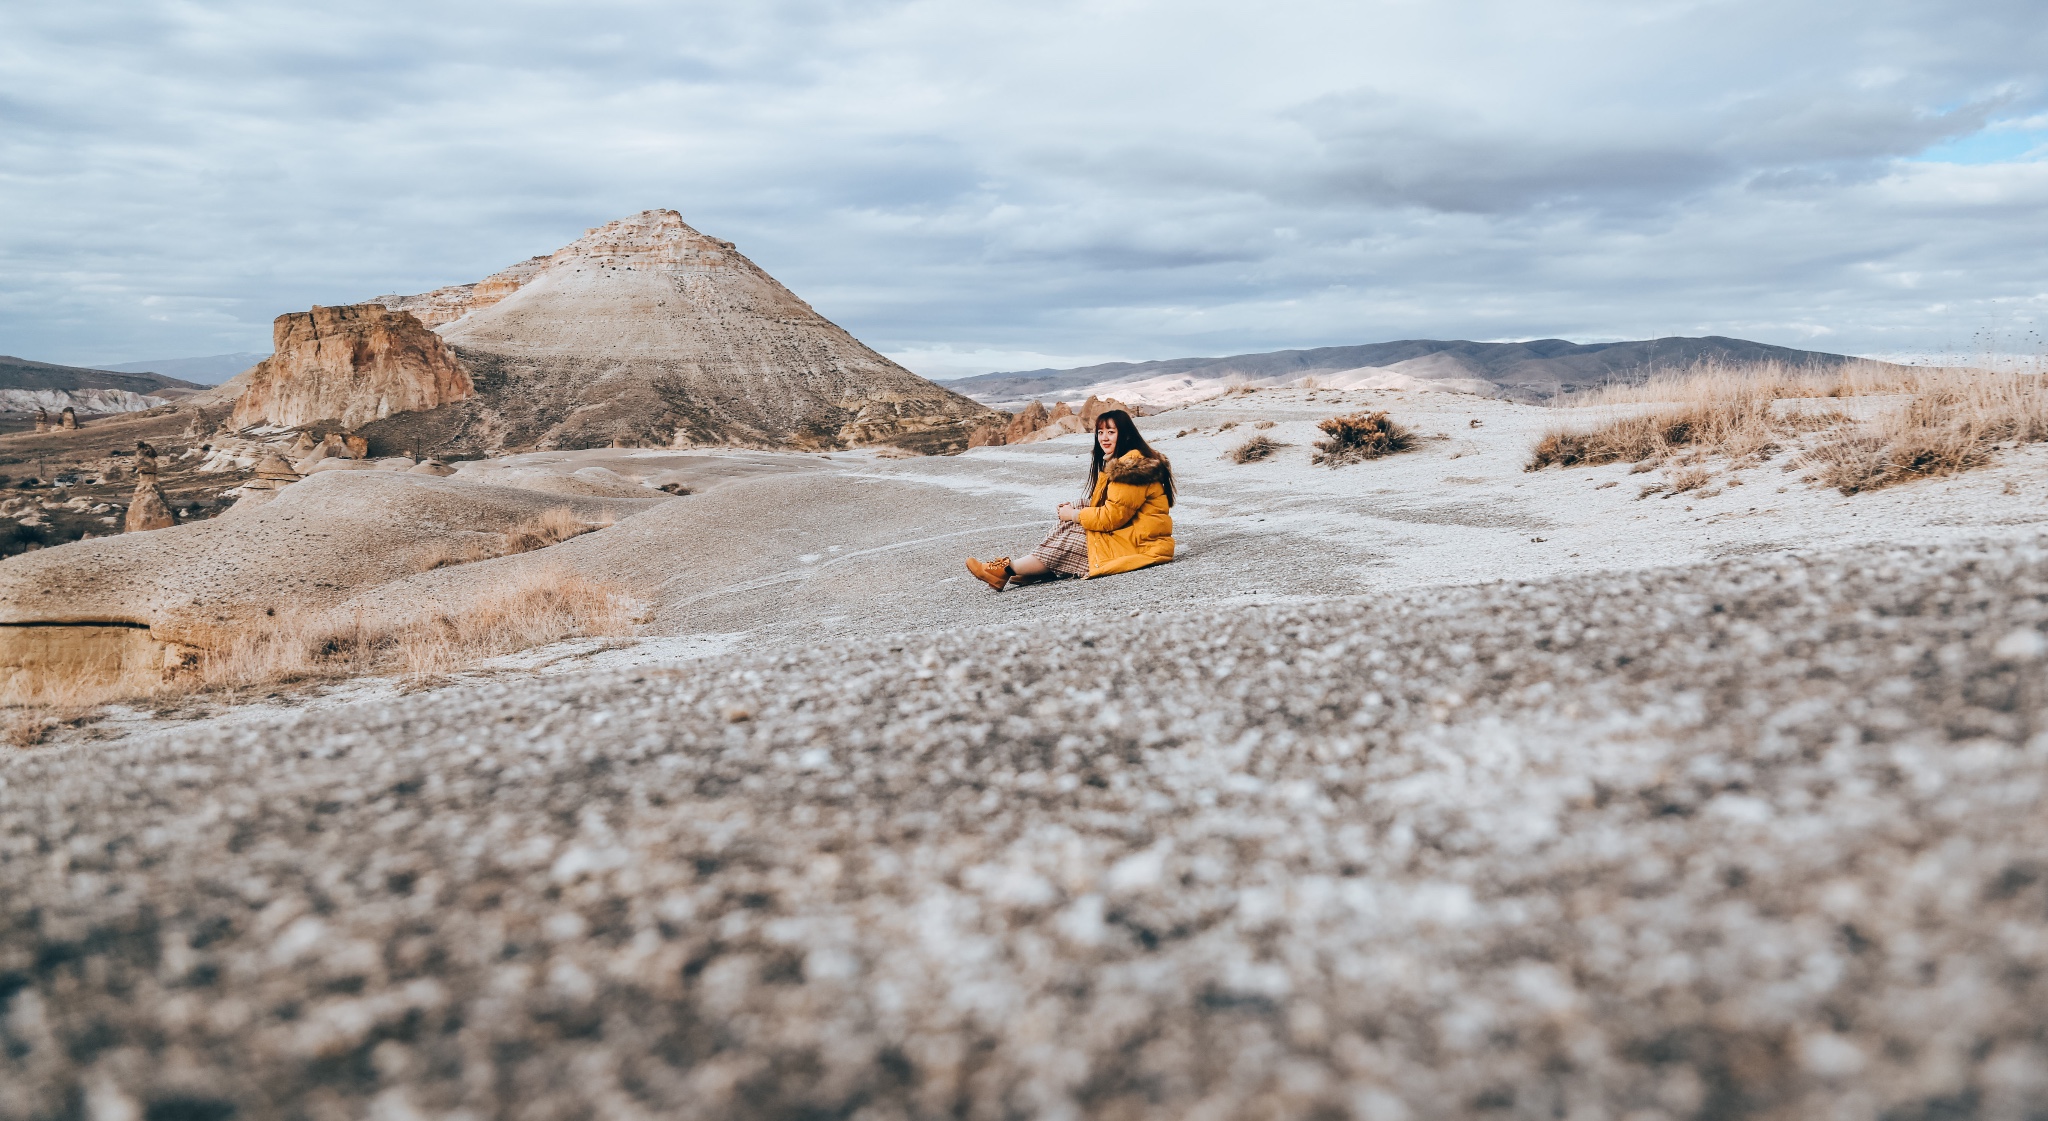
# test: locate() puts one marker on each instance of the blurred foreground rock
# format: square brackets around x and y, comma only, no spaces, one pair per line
[1760,838]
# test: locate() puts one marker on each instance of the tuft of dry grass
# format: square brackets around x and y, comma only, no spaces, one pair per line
[1360,436]
[1254,449]
[534,609]
[1689,478]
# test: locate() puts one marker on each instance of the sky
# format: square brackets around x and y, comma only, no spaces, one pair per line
[984,185]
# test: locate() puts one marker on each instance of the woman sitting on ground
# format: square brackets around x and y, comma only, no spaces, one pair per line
[1125,524]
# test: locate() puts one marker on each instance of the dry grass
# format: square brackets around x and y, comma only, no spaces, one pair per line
[1360,436]
[534,609]
[1952,423]
[549,527]
[1710,408]
[1254,449]
[1949,420]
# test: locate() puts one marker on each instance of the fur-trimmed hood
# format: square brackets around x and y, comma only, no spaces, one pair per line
[1137,469]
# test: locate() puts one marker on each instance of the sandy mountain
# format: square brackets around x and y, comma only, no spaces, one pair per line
[645,331]
[1537,370]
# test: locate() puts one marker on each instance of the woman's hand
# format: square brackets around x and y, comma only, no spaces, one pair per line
[1067,513]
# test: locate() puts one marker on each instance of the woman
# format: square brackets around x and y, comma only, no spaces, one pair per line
[1125,524]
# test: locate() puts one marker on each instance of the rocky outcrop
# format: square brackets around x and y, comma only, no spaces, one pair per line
[42,419]
[645,332]
[68,419]
[350,366]
[148,509]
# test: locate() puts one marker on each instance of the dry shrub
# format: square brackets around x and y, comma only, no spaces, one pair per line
[1255,449]
[1360,436]
[549,527]
[1263,425]
[1952,423]
[534,609]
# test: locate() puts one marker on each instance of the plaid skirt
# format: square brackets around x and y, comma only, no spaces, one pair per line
[1065,551]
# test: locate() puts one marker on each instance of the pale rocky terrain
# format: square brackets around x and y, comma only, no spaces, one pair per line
[1421,787]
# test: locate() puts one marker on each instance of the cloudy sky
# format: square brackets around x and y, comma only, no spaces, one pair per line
[983,184]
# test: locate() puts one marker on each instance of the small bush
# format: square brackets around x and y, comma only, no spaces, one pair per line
[1255,449]
[1360,436]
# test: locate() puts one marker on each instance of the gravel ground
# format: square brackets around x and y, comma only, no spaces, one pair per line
[1757,839]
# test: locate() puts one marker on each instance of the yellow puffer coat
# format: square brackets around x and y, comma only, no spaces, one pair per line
[1126,518]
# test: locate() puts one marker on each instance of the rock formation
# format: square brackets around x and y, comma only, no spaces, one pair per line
[68,419]
[273,474]
[1030,419]
[147,509]
[646,332]
[350,365]
[42,419]
[1035,422]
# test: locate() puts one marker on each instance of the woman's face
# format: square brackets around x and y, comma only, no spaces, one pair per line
[1105,434]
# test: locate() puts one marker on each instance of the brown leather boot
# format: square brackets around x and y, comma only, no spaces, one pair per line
[994,573]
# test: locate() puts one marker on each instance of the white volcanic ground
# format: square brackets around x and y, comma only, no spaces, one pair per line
[1438,373]
[80,400]
[1415,788]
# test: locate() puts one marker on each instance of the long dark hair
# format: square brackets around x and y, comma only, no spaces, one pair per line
[1128,439]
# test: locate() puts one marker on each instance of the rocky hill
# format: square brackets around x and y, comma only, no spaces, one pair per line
[1525,371]
[645,331]
[27,385]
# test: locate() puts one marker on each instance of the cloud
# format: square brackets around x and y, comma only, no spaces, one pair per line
[959,182]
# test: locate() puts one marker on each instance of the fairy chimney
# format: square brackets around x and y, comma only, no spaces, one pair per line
[69,418]
[145,460]
[42,419]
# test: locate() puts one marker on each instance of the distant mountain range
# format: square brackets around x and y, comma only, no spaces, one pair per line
[212,369]
[1525,371]
[26,386]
